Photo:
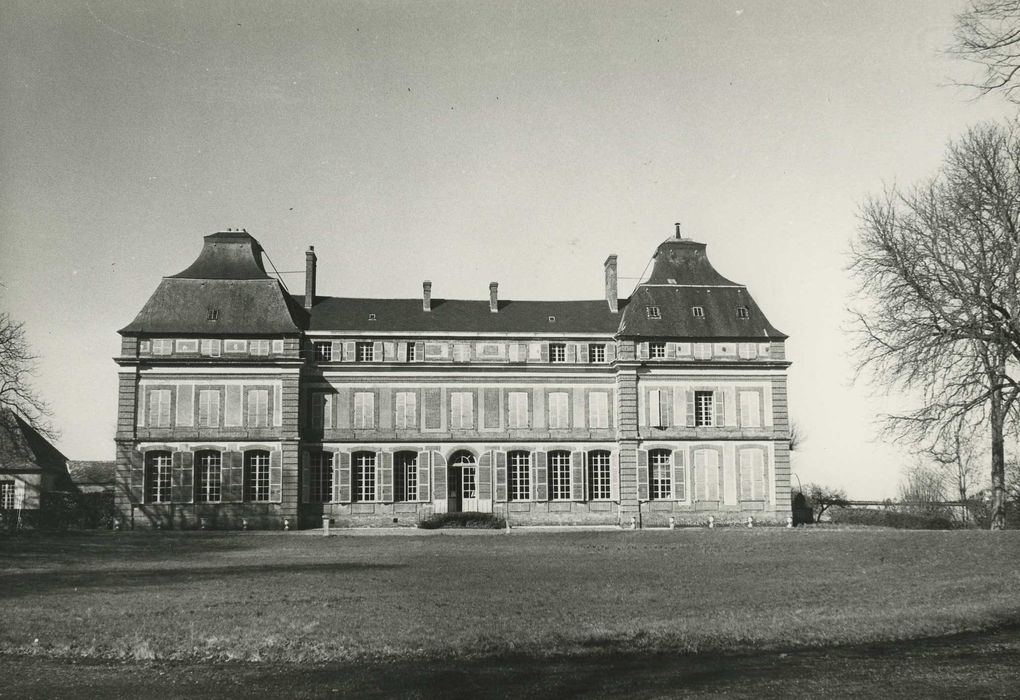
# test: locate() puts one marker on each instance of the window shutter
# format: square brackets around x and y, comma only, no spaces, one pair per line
[334,495]
[389,352]
[432,408]
[343,490]
[758,485]
[679,406]
[614,476]
[698,476]
[327,410]
[439,477]
[610,352]
[501,477]
[544,352]
[690,408]
[585,350]
[720,408]
[654,406]
[306,477]
[177,492]
[316,409]
[539,477]
[485,476]
[336,350]
[277,405]
[233,477]
[185,405]
[642,351]
[577,476]
[642,475]
[664,405]
[679,476]
[232,406]
[424,492]
[401,352]
[571,352]
[377,351]
[275,476]
[671,351]
[745,475]
[384,473]
[349,354]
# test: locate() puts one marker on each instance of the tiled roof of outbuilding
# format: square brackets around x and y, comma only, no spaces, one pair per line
[23,449]
[462,315]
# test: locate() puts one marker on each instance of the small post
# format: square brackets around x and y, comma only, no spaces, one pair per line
[202,523]
[286,524]
[789,521]
[116,525]
[633,523]
[711,521]
[750,521]
[672,523]
[244,523]
[325,526]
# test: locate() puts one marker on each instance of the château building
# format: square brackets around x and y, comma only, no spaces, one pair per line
[244,406]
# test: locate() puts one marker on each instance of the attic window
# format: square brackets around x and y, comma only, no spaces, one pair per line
[371,317]
[214,314]
[552,319]
[653,312]
[742,312]
[698,311]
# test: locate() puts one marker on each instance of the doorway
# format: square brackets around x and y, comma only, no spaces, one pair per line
[462,483]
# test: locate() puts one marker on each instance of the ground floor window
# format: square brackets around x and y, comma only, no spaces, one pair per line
[320,477]
[6,495]
[559,475]
[405,476]
[520,476]
[208,476]
[157,477]
[256,475]
[662,483]
[364,476]
[599,488]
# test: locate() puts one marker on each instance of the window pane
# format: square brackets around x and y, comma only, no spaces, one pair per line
[559,475]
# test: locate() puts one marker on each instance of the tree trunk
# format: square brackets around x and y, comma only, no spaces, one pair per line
[997,418]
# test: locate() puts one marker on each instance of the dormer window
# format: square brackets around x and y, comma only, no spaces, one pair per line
[365,352]
[323,351]
[742,312]
[557,352]
[371,317]
[657,350]
[552,319]
[653,312]
[214,314]
[698,311]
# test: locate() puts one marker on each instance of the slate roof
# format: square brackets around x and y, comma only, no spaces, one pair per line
[462,315]
[227,280]
[682,278]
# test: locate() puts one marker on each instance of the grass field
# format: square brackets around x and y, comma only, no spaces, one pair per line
[285,597]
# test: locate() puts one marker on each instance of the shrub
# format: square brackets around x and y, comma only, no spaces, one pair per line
[891,518]
[483,521]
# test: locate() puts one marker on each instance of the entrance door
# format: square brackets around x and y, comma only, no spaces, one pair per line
[463,483]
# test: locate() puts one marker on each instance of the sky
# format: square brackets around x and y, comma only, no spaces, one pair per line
[466,142]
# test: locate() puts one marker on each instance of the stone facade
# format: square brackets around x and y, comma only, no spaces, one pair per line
[264,410]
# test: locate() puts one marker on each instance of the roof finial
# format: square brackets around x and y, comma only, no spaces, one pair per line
[677,224]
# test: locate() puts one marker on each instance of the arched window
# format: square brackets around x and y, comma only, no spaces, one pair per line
[405,476]
[661,465]
[320,477]
[599,482]
[157,477]
[520,476]
[207,476]
[559,475]
[256,476]
[363,475]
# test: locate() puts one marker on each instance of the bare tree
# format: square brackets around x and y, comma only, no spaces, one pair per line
[956,455]
[821,498]
[939,297]
[988,34]
[17,366]
[923,489]
[797,436]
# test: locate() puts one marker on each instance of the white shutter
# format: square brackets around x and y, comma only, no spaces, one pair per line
[654,415]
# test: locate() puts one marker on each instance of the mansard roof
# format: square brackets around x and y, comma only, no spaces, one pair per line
[462,315]
[225,291]
[683,278]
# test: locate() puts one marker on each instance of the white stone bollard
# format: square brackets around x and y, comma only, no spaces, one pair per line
[633,523]
[202,523]
[672,523]
[244,523]
[286,524]
[325,526]
[750,521]
[711,521]
[789,521]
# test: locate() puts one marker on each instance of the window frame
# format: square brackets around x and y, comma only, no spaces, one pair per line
[208,476]
[322,350]
[158,483]
[257,464]
[364,480]
[704,409]
[320,476]
[557,352]
[600,476]
[698,311]
[653,313]
[660,462]
[364,351]
[519,475]
[597,349]
[657,349]
[559,465]
[405,476]
[8,494]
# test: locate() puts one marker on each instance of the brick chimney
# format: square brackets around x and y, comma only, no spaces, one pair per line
[493,297]
[611,295]
[310,276]
[426,295]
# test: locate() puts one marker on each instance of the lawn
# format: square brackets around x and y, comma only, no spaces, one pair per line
[285,597]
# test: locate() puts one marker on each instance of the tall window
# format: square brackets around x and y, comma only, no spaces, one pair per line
[209,408]
[706,475]
[597,352]
[517,412]
[323,351]
[750,409]
[157,477]
[6,495]
[159,408]
[520,476]
[660,463]
[559,410]
[364,410]
[657,350]
[364,476]
[557,352]
[599,483]
[365,352]
[320,477]
[207,476]
[462,415]
[258,408]
[559,475]
[406,406]
[704,408]
[752,475]
[256,476]
[598,409]
[405,476]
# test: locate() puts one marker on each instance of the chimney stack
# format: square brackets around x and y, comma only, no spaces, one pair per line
[310,276]
[426,295]
[677,224]
[611,284]
[493,297]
